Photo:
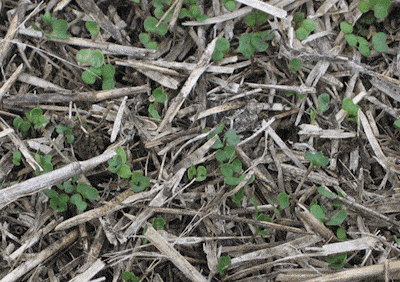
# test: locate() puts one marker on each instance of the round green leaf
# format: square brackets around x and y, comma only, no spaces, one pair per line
[159,12]
[96,58]
[250,19]
[222,45]
[341,234]
[92,27]
[202,18]
[184,13]
[364,50]
[230,5]
[309,25]
[298,17]
[380,12]
[162,29]
[83,56]
[152,45]
[351,39]
[346,27]
[220,156]
[323,101]
[17,157]
[51,193]
[362,41]
[194,10]
[158,223]
[76,200]
[318,212]
[60,29]
[364,6]
[153,112]
[89,77]
[150,24]
[283,200]
[302,33]
[218,55]
[17,122]
[124,171]
[236,165]
[87,191]
[159,95]
[227,170]
[224,263]
[108,83]
[192,171]
[58,205]
[108,71]
[379,42]
[201,173]
[144,38]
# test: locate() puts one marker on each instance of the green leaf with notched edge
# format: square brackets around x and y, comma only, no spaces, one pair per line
[87,191]
[77,200]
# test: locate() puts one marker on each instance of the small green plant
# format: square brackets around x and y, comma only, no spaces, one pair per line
[379,42]
[294,65]
[351,108]
[341,234]
[258,17]
[17,156]
[230,5]
[145,38]
[320,211]
[224,263]
[139,182]
[98,68]
[262,217]
[337,261]
[290,94]
[283,200]
[307,26]
[192,11]
[35,117]
[158,223]
[323,101]
[200,173]
[129,276]
[118,164]
[254,41]
[67,131]
[150,26]
[221,48]
[160,97]
[44,162]
[92,27]
[380,7]
[59,27]
[317,159]
[80,192]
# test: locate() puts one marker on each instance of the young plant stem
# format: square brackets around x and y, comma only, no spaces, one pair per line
[303,179]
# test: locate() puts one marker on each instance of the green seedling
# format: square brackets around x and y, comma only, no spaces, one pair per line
[299,17]
[221,48]
[379,42]
[337,218]
[294,65]
[258,17]
[251,42]
[341,234]
[323,101]
[229,5]
[224,263]
[341,215]
[318,211]
[17,156]
[290,94]
[218,144]
[139,182]
[262,217]
[44,162]
[351,108]
[200,173]
[129,276]
[98,68]
[150,26]
[145,38]
[307,26]
[92,27]
[66,130]
[80,191]
[118,164]
[380,7]
[283,200]
[158,223]
[337,261]
[193,11]
[159,97]
[59,27]
[317,159]
[353,40]
[35,117]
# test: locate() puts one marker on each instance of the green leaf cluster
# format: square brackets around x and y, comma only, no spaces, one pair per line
[118,164]
[80,193]
[317,159]
[323,101]
[191,10]
[337,261]
[258,17]
[35,117]
[59,27]
[351,108]
[92,27]
[139,182]
[294,65]
[224,263]
[44,162]
[231,167]
[98,68]
[306,27]
[221,48]
[129,276]
[380,7]
[254,41]
[158,223]
[66,129]
[200,173]
[17,156]
[159,98]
